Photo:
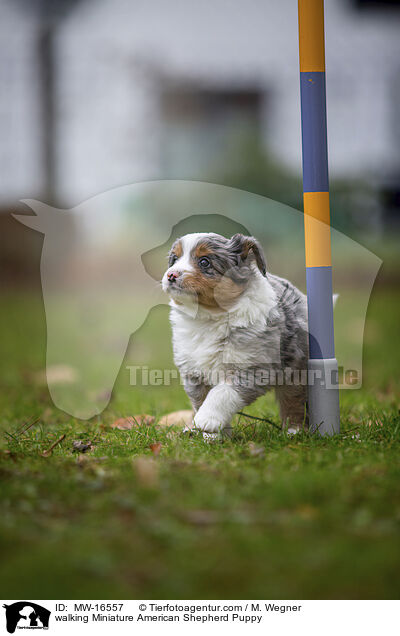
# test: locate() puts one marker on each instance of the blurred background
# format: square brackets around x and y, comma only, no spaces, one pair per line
[100,93]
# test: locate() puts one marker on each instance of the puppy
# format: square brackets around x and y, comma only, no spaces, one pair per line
[237,330]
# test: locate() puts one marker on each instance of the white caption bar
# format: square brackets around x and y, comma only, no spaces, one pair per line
[172,618]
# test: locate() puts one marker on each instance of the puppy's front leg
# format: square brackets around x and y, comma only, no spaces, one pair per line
[196,391]
[218,408]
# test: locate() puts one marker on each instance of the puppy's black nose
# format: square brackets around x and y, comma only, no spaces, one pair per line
[172,276]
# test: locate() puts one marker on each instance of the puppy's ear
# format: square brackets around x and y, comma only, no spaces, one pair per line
[242,245]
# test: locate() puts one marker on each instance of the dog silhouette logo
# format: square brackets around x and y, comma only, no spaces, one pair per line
[26,615]
[102,262]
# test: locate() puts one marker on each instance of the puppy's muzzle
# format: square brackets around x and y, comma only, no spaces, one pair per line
[173,277]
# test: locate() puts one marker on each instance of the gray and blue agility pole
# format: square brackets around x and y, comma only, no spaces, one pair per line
[323,392]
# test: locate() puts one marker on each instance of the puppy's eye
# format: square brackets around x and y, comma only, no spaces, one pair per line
[204,262]
[172,259]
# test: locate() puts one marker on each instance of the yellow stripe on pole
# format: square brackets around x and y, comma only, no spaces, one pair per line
[317,229]
[311,36]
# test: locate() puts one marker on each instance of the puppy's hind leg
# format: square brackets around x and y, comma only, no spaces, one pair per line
[293,407]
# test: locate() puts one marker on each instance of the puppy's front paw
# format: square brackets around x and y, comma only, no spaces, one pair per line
[211,437]
[225,433]
[207,423]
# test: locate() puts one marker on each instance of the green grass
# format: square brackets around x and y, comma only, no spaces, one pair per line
[260,516]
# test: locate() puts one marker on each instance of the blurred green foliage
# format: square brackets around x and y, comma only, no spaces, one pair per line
[354,203]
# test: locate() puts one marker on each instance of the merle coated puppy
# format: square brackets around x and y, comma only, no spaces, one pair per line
[237,330]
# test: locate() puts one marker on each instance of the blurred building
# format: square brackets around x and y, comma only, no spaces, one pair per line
[148,90]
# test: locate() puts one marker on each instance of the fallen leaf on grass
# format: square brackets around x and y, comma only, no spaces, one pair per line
[256,451]
[9,454]
[146,470]
[307,512]
[104,396]
[84,460]
[156,448]
[177,418]
[81,447]
[127,423]
[81,459]
[57,374]
[202,517]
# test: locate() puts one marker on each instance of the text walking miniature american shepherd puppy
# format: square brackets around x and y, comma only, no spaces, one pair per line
[237,330]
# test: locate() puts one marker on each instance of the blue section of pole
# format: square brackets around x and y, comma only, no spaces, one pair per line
[320,312]
[313,125]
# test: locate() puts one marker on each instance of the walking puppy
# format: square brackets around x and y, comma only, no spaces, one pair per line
[237,330]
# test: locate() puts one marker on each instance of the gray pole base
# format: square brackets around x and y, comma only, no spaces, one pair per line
[323,396]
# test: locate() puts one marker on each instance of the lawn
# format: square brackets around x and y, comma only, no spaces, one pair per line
[259,516]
